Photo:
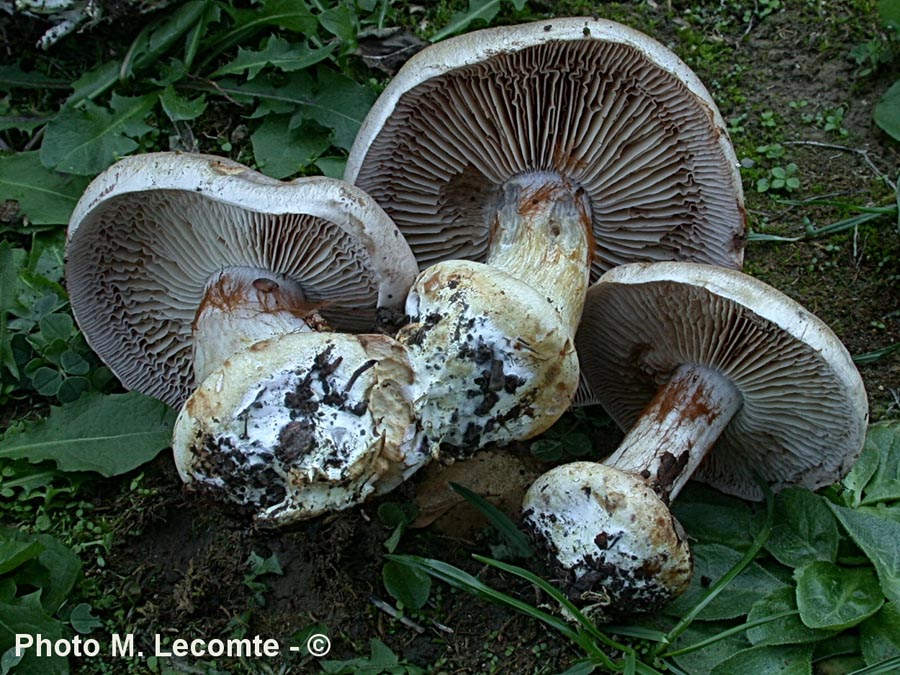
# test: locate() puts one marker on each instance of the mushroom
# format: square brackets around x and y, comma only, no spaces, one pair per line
[175,261]
[181,260]
[497,362]
[302,424]
[690,356]
[554,151]
[550,149]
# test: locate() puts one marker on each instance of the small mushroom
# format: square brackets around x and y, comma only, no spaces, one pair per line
[690,356]
[551,150]
[187,269]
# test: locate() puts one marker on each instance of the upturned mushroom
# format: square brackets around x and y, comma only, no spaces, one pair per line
[718,377]
[552,151]
[177,264]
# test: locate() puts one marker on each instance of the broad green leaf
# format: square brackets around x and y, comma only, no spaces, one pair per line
[714,518]
[879,635]
[179,108]
[768,660]
[836,598]
[339,104]
[82,620]
[94,82]
[883,441]
[277,52]
[26,615]
[786,629]
[171,28]
[12,77]
[483,10]
[804,529]
[879,539]
[889,11]
[271,98]
[16,548]
[341,22]
[863,469]
[292,15]
[333,167]
[280,151]
[54,571]
[11,262]
[408,585]
[86,140]
[107,434]
[887,111]
[712,561]
[702,661]
[45,196]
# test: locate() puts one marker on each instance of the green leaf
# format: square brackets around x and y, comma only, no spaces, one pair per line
[879,635]
[173,26]
[16,548]
[712,561]
[408,585]
[94,82]
[82,620]
[804,529]
[863,469]
[887,111]
[277,52]
[889,11]
[768,660]
[333,167]
[107,434]
[786,629]
[835,597]
[341,22]
[45,196]
[26,615]
[702,661]
[292,15]
[13,77]
[714,518]
[339,104]
[879,539]
[85,141]
[519,544]
[46,381]
[483,10]
[11,262]
[181,109]
[280,151]
[55,571]
[883,441]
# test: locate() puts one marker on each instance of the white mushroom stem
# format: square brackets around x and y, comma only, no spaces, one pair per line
[540,235]
[679,427]
[242,306]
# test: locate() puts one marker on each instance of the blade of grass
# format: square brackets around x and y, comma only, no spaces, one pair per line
[518,542]
[761,538]
[886,667]
[877,355]
[734,630]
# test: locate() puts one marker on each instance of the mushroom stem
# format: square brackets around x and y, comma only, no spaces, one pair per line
[540,235]
[677,429]
[242,306]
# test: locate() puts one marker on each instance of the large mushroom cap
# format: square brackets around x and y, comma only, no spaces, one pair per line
[302,424]
[153,230]
[804,411]
[605,106]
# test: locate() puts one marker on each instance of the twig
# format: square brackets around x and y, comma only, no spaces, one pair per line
[392,612]
[857,151]
[33,141]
